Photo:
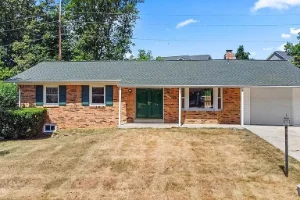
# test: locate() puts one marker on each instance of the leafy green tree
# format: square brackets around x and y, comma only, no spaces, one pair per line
[92,30]
[159,58]
[8,95]
[14,14]
[5,72]
[241,54]
[144,55]
[102,29]
[294,50]
[40,40]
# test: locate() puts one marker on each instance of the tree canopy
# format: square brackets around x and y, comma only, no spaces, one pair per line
[294,50]
[241,54]
[91,30]
[159,58]
[144,55]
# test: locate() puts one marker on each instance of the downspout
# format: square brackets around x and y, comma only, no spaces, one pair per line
[179,109]
[120,104]
[20,96]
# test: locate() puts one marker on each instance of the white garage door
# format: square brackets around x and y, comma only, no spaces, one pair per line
[269,106]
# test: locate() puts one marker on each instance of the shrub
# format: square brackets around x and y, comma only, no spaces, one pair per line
[8,95]
[21,123]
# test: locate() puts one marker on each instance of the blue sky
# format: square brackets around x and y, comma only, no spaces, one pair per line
[160,21]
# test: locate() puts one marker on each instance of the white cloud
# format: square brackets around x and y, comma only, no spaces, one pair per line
[281,47]
[128,55]
[268,48]
[185,23]
[284,35]
[294,31]
[252,54]
[276,4]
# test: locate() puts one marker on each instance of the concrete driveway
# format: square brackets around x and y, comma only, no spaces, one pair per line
[275,136]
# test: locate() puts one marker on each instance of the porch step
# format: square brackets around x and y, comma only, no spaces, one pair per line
[149,121]
[148,125]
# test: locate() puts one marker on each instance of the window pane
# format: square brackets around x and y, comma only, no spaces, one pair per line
[219,103]
[51,95]
[98,95]
[98,90]
[201,98]
[52,128]
[47,128]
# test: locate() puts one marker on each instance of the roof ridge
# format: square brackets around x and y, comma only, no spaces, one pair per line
[234,60]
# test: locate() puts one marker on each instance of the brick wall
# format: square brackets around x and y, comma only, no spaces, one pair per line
[27,95]
[171,104]
[74,115]
[129,99]
[231,106]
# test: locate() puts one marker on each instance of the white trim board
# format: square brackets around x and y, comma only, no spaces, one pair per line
[247,95]
[296,106]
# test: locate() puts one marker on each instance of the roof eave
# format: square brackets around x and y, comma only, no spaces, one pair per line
[216,86]
[19,82]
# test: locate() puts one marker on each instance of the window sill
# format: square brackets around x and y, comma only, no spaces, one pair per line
[97,105]
[49,132]
[202,110]
[51,106]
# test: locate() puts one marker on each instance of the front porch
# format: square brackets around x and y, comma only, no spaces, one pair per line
[180,107]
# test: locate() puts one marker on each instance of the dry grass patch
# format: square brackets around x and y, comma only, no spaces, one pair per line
[146,164]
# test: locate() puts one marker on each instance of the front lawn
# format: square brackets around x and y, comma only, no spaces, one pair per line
[146,164]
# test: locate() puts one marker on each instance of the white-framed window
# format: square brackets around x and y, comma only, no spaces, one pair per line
[97,95]
[51,95]
[49,128]
[203,99]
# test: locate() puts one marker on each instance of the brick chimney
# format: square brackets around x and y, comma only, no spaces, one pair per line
[229,55]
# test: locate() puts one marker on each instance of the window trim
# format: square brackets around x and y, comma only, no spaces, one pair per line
[91,95]
[215,100]
[44,95]
[55,128]
[221,96]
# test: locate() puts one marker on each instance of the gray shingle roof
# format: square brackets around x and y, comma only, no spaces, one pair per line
[168,73]
[282,55]
[187,57]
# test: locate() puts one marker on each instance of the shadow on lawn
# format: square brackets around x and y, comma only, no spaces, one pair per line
[39,137]
[283,169]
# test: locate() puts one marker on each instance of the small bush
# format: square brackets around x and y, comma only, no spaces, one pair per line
[21,123]
[8,95]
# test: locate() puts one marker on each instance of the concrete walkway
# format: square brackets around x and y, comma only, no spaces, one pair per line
[275,136]
[173,125]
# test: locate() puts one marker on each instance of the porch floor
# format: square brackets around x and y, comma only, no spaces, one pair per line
[175,125]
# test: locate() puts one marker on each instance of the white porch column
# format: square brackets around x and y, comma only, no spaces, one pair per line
[20,96]
[179,109]
[242,107]
[120,104]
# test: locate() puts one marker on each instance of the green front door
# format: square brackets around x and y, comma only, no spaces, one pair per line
[149,103]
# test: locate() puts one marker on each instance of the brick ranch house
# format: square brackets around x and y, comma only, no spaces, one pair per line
[113,93]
